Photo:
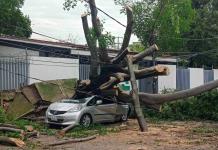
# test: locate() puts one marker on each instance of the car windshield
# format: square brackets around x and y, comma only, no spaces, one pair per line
[74,101]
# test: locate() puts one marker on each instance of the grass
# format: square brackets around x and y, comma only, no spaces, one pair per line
[79,132]
[205,130]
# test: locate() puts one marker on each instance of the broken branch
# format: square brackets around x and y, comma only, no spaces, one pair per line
[12,141]
[73,141]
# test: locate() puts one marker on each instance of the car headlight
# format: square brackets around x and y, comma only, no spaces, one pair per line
[75,109]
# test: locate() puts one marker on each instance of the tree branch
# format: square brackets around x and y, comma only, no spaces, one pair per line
[147,52]
[116,78]
[120,56]
[95,20]
[162,98]
[128,32]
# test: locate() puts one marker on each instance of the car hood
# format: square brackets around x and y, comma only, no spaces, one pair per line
[63,106]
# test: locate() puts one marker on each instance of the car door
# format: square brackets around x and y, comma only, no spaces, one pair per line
[106,111]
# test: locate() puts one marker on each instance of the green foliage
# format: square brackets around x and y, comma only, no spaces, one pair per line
[137,47]
[203,107]
[166,20]
[99,129]
[12,20]
[3,117]
[204,26]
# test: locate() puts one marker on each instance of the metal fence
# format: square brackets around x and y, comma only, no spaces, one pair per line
[84,70]
[208,75]
[12,73]
[182,79]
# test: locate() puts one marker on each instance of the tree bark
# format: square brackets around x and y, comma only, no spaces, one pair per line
[135,97]
[128,32]
[94,67]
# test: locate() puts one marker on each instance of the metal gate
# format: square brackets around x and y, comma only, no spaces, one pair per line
[13,73]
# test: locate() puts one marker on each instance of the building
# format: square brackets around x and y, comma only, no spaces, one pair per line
[24,60]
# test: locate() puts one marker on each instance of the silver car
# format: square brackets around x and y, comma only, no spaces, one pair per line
[86,111]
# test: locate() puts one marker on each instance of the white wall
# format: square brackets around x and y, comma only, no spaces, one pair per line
[10,51]
[51,68]
[196,77]
[169,81]
[215,71]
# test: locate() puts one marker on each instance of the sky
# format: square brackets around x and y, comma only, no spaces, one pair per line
[49,18]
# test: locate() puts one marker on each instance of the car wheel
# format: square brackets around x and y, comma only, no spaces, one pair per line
[86,120]
[124,117]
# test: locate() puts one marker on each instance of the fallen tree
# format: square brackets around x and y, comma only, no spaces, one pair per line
[106,72]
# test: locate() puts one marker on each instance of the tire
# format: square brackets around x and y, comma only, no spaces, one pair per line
[86,120]
[124,118]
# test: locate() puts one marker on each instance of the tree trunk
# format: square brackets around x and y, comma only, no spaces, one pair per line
[135,97]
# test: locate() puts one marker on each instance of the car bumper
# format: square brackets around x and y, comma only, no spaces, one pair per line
[64,119]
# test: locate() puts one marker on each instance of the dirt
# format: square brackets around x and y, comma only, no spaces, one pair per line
[160,136]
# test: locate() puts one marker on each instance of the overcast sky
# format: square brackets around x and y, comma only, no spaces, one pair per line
[48,17]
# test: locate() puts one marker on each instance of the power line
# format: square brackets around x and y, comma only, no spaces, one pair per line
[105,13]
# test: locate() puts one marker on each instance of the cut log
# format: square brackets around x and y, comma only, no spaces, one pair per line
[147,52]
[135,97]
[72,141]
[11,141]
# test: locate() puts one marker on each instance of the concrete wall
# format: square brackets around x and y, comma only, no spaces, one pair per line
[51,68]
[10,51]
[215,71]
[196,77]
[167,82]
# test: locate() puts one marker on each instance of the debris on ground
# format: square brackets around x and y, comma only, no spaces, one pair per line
[34,99]
[12,141]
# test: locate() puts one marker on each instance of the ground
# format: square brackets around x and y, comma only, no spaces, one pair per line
[189,135]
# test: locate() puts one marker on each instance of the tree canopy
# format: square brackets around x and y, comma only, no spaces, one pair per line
[12,20]
[204,27]
[161,21]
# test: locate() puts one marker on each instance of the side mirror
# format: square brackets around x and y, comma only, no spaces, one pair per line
[99,102]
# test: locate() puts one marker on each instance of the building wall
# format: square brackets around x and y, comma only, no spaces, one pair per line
[196,77]
[169,81]
[51,68]
[215,71]
[10,51]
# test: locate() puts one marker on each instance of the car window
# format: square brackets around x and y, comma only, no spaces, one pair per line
[107,101]
[92,102]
